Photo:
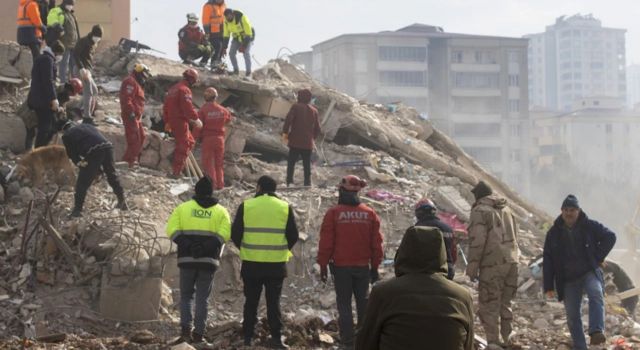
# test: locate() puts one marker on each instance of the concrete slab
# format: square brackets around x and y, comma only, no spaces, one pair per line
[137,300]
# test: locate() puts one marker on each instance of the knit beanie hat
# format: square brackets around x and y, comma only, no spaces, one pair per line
[482,189]
[570,202]
[204,187]
[97,31]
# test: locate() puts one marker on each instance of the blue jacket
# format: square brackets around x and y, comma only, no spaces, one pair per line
[43,77]
[598,239]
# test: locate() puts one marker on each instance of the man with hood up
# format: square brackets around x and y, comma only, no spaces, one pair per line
[300,128]
[200,227]
[419,308]
[493,257]
[574,252]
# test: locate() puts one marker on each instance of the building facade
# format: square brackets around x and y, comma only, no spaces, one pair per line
[113,15]
[472,87]
[633,86]
[575,58]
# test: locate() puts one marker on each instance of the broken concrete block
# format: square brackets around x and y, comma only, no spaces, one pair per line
[143,337]
[272,106]
[26,194]
[448,198]
[150,158]
[137,300]
[12,133]
[183,346]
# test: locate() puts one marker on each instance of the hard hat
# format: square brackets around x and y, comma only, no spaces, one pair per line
[352,183]
[210,93]
[77,85]
[425,203]
[142,69]
[192,17]
[191,75]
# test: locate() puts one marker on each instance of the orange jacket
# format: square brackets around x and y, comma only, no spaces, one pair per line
[213,17]
[29,17]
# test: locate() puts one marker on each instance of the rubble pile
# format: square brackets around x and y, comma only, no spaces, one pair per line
[109,280]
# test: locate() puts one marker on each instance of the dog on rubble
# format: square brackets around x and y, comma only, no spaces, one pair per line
[43,161]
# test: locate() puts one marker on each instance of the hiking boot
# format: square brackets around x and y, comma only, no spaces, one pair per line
[185,337]
[76,213]
[277,343]
[200,341]
[597,338]
[122,204]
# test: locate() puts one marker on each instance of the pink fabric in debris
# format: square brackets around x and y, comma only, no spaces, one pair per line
[452,220]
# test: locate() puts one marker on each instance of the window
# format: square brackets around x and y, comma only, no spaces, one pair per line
[484,57]
[608,128]
[597,65]
[515,130]
[477,129]
[514,80]
[456,56]
[403,78]
[402,53]
[513,56]
[514,155]
[467,80]
[477,105]
[514,106]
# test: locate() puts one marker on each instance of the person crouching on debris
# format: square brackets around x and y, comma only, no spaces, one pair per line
[493,257]
[351,243]
[193,43]
[213,117]
[131,109]
[575,250]
[425,211]
[300,128]
[419,308]
[179,112]
[91,152]
[200,228]
[265,231]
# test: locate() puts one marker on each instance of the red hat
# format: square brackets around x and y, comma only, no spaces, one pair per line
[191,75]
[425,203]
[77,85]
[352,183]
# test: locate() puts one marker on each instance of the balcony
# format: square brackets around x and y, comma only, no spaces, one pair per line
[475,92]
[475,67]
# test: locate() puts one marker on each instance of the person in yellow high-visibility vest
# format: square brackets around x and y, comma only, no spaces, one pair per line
[265,231]
[200,227]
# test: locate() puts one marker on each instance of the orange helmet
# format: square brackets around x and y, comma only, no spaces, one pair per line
[77,85]
[210,94]
[191,75]
[425,203]
[352,183]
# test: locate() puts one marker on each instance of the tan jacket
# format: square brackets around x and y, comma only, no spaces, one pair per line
[493,234]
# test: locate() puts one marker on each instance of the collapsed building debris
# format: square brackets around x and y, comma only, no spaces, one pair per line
[109,280]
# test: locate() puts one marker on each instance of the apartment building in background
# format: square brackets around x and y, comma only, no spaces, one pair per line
[633,86]
[472,87]
[113,15]
[575,58]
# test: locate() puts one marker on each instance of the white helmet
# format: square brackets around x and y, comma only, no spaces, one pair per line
[192,17]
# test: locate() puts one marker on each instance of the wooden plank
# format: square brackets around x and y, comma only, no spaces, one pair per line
[62,245]
[623,295]
[526,285]
[327,114]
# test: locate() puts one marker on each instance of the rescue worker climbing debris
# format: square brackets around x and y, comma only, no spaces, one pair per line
[131,109]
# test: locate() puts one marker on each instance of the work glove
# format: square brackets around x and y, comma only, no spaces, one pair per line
[201,48]
[373,275]
[241,49]
[196,123]
[55,105]
[82,163]
[285,138]
[132,116]
[323,273]
[472,271]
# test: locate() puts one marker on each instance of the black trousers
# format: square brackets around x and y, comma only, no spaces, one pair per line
[350,281]
[294,154]
[216,43]
[28,140]
[100,159]
[35,50]
[252,291]
[46,129]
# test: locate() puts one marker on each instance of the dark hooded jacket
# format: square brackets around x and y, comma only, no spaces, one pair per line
[420,308]
[596,241]
[302,123]
[43,86]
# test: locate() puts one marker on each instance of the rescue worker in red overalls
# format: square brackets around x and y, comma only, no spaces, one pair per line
[213,117]
[131,109]
[179,113]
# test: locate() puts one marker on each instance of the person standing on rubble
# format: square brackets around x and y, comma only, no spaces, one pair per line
[200,228]
[493,257]
[237,27]
[64,17]
[179,112]
[193,44]
[31,27]
[92,153]
[419,308]
[300,128]
[42,96]
[86,48]
[213,117]
[265,231]
[351,244]
[213,23]
[575,250]
[425,211]
[89,96]
[131,109]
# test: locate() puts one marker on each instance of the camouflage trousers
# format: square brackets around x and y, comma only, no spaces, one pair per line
[496,288]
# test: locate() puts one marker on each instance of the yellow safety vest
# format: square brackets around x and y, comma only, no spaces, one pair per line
[265,221]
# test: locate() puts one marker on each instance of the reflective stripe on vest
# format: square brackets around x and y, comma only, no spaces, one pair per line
[265,221]
[197,233]
[25,18]
[188,259]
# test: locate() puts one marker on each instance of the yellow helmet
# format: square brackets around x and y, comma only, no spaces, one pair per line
[142,69]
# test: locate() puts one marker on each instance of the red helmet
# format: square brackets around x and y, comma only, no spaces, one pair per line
[425,203]
[352,183]
[210,93]
[191,75]
[77,85]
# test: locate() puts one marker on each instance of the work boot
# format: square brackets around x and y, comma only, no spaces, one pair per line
[235,72]
[597,338]
[200,341]
[277,343]
[122,203]
[185,337]
[76,213]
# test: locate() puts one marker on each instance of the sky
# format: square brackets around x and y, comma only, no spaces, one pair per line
[295,25]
